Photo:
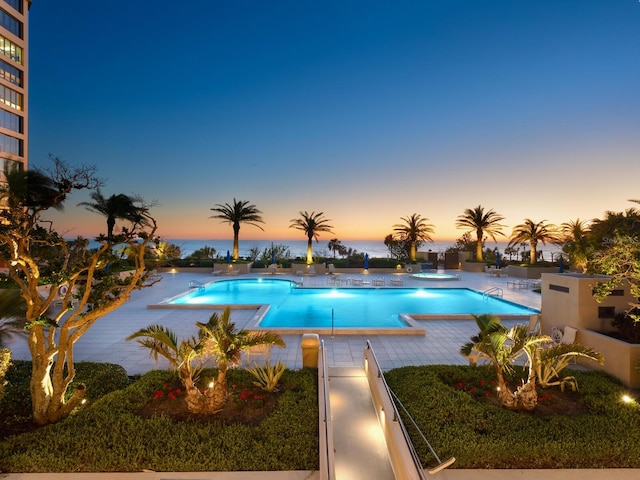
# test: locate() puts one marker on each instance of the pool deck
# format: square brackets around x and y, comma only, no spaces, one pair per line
[106,340]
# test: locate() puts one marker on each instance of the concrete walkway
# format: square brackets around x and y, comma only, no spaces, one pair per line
[360,449]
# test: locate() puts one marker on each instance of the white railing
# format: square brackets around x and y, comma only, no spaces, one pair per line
[327,463]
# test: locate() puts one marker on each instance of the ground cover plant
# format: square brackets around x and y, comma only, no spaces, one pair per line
[147,426]
[457,409]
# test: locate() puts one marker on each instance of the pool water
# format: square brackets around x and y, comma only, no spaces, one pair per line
[292,307]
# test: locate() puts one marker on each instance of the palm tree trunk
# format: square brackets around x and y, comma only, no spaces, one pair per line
[216,397]
[236,236]
[479,245]
[310,251]
[534,253]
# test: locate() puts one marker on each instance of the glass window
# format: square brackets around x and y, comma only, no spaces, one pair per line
[10,145]
[10,121]
[16,4]
[10,23]
[10,49]
[10,97]
[10,73]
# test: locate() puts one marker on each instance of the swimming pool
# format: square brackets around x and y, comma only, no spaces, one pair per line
[292,307]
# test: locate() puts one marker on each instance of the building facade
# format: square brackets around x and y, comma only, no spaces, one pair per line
[14,76]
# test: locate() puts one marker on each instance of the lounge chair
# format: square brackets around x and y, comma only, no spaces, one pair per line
[332,269]
[396,281]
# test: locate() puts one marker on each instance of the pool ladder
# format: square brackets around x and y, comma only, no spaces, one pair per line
[196,284]
[494,292]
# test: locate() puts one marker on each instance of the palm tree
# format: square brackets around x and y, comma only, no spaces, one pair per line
[576,242]
[311,224]
[218,337]
[415,230]
[335,246]
[240,212]
[483,223]
[226,343]
[184,357]
[115,207]
[502,346]
[533,233]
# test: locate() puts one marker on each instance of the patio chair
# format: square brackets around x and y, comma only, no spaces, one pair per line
[331,269]
[257,351]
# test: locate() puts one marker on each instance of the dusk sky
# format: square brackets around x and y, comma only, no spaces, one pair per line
[368,111]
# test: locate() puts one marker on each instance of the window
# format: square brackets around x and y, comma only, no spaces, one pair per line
[10,145]
[606,312]
[10,121]
[16,4]
[10,23]
[558,288]
[10,49]
[10,97]
[10,73]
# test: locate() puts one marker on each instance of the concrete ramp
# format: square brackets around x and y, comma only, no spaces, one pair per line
[360,449]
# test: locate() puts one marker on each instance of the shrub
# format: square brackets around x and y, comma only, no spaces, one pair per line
[627,325]
[111,436]
[267,377]
[5,361]
[480,434]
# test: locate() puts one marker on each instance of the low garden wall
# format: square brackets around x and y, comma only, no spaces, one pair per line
[529,272]
[620,358]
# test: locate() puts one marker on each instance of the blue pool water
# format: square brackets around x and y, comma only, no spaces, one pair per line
[292,307]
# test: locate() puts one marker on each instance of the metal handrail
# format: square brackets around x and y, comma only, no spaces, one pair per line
[498,292]
[196,284]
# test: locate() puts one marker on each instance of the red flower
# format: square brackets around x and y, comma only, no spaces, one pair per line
[460,384]
[487,393]
[178,390]
[243,395]
[172,396]
[539,399]
[158,394]
[481,382]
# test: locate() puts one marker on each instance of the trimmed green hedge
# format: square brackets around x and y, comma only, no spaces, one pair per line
[481,435]
[111,436]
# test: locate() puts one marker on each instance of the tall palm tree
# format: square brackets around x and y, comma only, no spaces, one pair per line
[576,242]
[533,233]
[115,207]
[415,230]
[483,223]
[311,224]
[239,212]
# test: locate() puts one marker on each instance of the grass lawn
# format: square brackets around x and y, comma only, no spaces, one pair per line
[456,409]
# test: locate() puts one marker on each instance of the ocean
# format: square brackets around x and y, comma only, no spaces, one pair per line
[298,248]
